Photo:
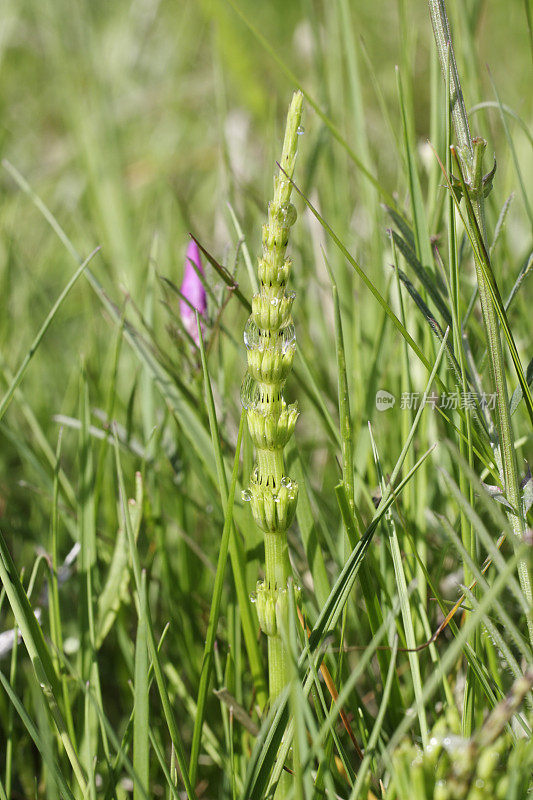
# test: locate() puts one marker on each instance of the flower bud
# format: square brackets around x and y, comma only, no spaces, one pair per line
[266,609]
[272,506]
[193,291]
[272,364]
[270,311]
[269,432]
[273,607]
[274,274]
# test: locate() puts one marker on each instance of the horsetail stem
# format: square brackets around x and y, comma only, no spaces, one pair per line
[270,341]
[471,151]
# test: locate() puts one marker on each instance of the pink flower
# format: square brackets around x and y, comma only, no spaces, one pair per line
[192,290]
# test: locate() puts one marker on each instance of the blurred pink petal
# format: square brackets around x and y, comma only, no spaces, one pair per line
[193,290]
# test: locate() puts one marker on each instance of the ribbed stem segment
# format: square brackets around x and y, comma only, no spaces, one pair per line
[277,564]
[270,464]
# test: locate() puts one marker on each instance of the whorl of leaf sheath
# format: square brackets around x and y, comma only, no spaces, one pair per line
[270,341]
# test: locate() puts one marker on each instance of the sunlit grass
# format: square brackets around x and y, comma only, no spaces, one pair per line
[127,127]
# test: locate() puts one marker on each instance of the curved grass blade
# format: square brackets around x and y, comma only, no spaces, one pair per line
[176,398]
[35,735]
[451,653]
[403,595]
[38,652]
[266,748]
[426,280]
[4,403]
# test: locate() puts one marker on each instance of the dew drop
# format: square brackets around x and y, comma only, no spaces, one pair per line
[275,301]
[288,337]
[300,130]
[288,215]
[252,336]
[246,495]
[249,392]
[253,598]
[285,481]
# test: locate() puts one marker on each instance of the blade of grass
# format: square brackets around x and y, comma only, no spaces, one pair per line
[378,724]
[34,734]
[450,655]
[229,541]
[420,226]
[141,724]
[38,652]
[324,117]
[152,644]
[8,396]
[403,595]
[174,397]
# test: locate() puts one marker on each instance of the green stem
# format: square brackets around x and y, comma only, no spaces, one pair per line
[277,564]
[277,666]
[270,462]
[471,151]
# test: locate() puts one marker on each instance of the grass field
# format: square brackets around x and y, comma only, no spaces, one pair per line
[131,657]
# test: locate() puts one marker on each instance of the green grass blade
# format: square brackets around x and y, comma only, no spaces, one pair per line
[482,258]
[378,724]
[37,651]
[33,732]
[451,653]
[207,661]
[152,644]
[388,198]
[420,226]
[266,748]
[8,396]
[405,604]
[229,537]
[141,723]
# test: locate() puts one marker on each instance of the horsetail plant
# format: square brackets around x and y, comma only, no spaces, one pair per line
[475,186]
[270,342]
